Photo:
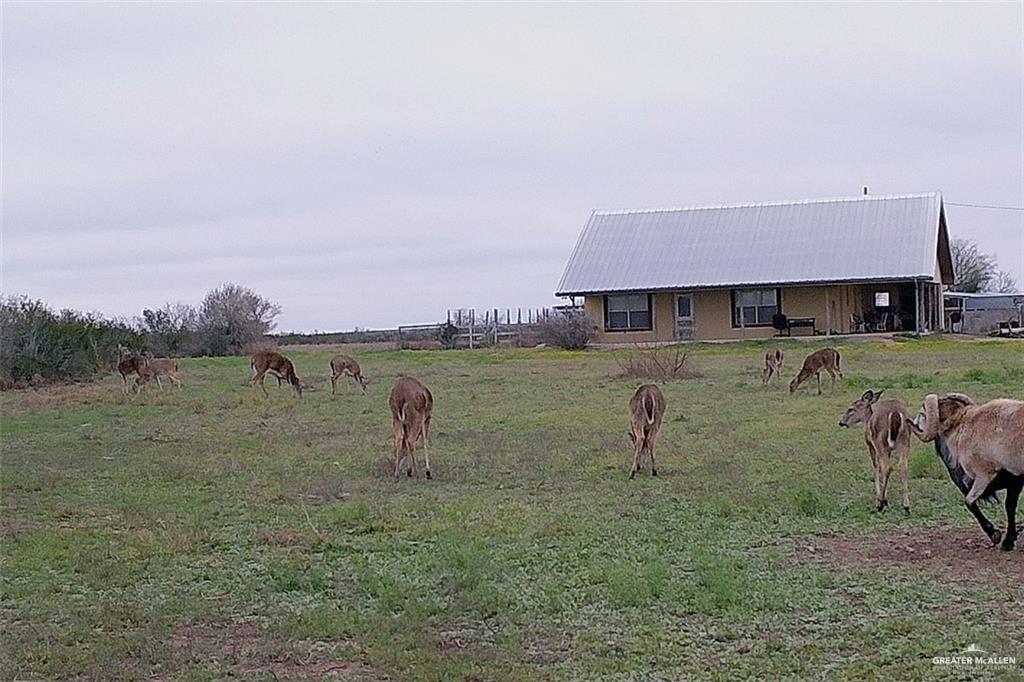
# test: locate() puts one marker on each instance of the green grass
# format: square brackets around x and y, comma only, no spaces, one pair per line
[210,532]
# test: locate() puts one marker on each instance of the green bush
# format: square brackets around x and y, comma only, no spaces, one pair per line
[38,343]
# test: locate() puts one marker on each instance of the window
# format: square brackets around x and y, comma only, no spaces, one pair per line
[627,313]
[754,307]
[881,299]
[684,306]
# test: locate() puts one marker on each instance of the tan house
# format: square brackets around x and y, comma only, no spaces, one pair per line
[821,266]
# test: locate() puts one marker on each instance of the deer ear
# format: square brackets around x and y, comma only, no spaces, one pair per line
[878,395]
[868,396]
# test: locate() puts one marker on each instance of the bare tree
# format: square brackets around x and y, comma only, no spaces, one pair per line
[972,268]
[231,316]
[171,329]
[1003,283]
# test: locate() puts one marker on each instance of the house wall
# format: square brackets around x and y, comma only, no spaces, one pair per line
[829,305]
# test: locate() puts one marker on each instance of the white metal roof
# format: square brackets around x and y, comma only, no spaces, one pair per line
[863,238]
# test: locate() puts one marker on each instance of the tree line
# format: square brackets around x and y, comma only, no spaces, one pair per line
[38,343]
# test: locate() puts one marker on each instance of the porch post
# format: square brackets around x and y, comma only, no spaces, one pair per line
[917,306]
[828,315]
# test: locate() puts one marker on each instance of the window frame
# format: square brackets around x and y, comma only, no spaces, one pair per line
[629,327]
[734,318]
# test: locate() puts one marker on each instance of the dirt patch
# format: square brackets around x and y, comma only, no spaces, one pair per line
[954,554]
[244,649]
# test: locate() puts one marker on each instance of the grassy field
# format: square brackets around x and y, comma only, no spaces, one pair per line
[211,532]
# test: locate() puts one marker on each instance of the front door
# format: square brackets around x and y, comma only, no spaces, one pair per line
[684,317]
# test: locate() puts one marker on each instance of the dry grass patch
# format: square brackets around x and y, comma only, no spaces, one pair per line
[659,363]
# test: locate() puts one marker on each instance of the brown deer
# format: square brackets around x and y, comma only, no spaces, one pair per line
[156,368]
[826,359]
[646,409]
[772,364]
[132,364]
[411,406]
[887,427]
[277,365]
[342,365]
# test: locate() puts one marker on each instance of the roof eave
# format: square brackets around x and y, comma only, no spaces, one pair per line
[746,285]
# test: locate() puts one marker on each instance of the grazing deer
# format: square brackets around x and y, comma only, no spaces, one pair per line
[887,427]
[277,365]
[646,409]
[342,365]
[133,364]
[826,359]
[772,364]
[154,369]
[411,406]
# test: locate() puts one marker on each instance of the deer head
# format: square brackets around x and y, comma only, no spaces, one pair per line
[860,411]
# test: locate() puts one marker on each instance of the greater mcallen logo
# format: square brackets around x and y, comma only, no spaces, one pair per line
[975,655]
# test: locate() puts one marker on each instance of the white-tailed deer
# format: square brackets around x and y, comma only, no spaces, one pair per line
[132,364]
[886,428]
[826,359]
[411,406]
[342,365]
[155,369]
[982,446]
[646,409]
[772,364]
[277,365]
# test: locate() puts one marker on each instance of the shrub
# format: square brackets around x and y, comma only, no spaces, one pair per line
[658,363]
[38,343]
[570,330]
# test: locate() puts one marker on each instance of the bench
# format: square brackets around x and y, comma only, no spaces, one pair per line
[787,324]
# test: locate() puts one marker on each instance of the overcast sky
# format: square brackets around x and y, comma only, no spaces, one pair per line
[373,165]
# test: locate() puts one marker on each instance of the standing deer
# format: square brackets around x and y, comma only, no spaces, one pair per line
[826,359]
[154,369]
[411,406]
[772,364]
[342,365]
[887,427]
[133,364]
[277,365]
[646,409]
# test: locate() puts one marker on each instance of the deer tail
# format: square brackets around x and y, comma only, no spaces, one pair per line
[649,408]
[895,426]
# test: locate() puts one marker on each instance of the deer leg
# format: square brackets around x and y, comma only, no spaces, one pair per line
[426,454]
[413,470]
[904,447]
[818,376]
[884,469]
[1012,495]
[399,440]
[652,438]
[638,446]
[258,378]
[334,383]
[159,383]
